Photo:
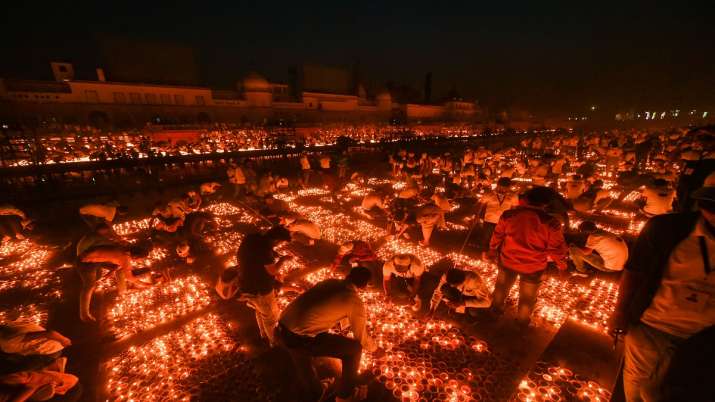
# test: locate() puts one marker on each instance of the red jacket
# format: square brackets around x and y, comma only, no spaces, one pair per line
[526,237]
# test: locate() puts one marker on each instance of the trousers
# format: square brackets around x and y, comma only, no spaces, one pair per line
[647,354]
[303,348]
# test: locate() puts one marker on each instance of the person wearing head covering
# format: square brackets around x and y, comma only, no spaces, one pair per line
[407,271]
[525,239]
[666,305]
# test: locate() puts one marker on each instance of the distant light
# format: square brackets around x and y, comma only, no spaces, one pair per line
[705,114]
[593,107]
[662,115]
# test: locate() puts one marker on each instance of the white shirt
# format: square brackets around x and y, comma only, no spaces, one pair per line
[324,305]
[496,204]
[473,285]
[372,200]
[658,202]
[106,212]
[416,269]
[7,209]
[610,247]
[684,303]
[305,227]
[15,342]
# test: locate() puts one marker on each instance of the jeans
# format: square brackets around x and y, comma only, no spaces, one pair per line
[266,313]
[303,348]
[578,257]
[648,353]
[528,287]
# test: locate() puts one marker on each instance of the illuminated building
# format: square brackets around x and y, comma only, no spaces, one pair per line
[108,103]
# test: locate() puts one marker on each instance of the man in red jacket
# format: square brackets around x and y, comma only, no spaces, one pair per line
[525,239]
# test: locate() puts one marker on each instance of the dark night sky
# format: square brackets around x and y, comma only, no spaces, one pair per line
[547,57]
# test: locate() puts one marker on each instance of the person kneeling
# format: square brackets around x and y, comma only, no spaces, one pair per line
[464,292]
[303,329]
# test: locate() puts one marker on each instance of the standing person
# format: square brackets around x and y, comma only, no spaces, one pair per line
[667,297]
[304,328]
[258,268]
[493,205]
[343,163]
[237,177]
[524,240]
[604,251]
[324,163]
[305,169]
[98,214]
[408,271]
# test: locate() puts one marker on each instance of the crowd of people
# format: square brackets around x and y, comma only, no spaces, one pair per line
[74,143]
[548,202]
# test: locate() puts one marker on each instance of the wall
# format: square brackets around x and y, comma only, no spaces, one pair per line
[413,111]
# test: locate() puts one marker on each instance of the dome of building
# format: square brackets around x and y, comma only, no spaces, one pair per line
[254,82]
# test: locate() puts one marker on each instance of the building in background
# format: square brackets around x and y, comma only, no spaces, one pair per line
[324,94]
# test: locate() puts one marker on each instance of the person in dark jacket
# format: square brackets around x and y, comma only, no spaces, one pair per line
[667,295]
